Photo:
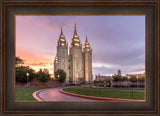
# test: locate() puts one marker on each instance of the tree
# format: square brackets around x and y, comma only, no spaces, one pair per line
[60,75]
[43,75]
[21,74]
[117,78]
[106,80]
[133,79]
[18,60]
[141,79]
[124,79]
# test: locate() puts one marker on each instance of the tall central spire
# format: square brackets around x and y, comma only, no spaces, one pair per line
[61,35]
[75,30]
[86,39]
[61,31]
[75,39]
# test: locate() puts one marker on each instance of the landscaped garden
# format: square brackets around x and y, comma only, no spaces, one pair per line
[110,93]
[25,93]
[28,80]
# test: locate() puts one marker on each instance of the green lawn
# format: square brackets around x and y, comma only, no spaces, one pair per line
[111,93]
[25,93]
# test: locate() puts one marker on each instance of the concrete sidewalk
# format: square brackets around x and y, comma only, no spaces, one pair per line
[53,94]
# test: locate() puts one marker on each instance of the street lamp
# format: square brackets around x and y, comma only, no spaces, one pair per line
[27,78]
[58,79]
[128,82]
[137,82]
[104,83]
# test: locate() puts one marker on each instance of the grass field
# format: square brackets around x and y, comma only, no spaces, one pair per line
[25,93]
[111,93]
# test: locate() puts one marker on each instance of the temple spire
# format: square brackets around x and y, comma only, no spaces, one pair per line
[86,45]
[62,40]
[86,39]
[61,31]
[75,30]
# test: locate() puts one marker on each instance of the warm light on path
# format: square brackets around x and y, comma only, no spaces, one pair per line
[54,95]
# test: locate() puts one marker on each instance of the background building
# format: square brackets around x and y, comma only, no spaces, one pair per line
[101,77]
[78,62]
[119,72]
[137,75]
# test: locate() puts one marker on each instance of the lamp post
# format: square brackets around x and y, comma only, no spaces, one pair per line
[128,82]
[104,83]
[27,78]
[137,82]
[58,79]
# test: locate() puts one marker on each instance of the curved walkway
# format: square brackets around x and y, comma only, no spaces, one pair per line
[53,94]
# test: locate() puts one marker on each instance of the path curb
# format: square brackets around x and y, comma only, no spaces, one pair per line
[101,98]
[35,94]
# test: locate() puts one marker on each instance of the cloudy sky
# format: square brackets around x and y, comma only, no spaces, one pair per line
[117,42]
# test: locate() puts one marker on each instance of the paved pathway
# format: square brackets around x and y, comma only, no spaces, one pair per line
[53,94]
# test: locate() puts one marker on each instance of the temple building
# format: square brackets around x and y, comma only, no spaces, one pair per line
[77,61]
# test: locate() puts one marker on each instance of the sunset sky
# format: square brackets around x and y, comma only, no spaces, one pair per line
[117,42]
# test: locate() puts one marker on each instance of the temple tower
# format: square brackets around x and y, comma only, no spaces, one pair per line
[56,63]
[62,55]
[87,51]
[77,62]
